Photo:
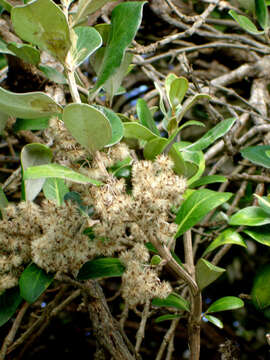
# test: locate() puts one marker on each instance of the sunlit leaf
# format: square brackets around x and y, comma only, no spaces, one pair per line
[88,125]
[206,273]
[32,155]
[250,216]
[229,236]
[245,23]
[196,206]
[43,24]
[29,105]
[225,303]
[57,171]
[173,300]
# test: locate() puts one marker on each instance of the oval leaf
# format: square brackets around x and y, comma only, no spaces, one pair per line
[260,234]
[196,206]
[55,189]
[29,105]
[116,125]
[212,135]
[33,282]
[125,21]
[264,203]
[87,7]
[57,171]
[229,236]
[210,179]
[145,116]
[178,89]
[88,126]
[100,268]
[32,155]
[251,216]
[25,52]
[43,23]
[155,147]
[206,273]
[225,303]
[173,300]
[9,301]
[212,319]
[135,130]
[260,292]
[257,155]
[88,41]
[245,23]
[261,13]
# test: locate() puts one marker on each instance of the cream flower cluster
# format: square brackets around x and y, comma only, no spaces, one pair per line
[21,224]
[140,282]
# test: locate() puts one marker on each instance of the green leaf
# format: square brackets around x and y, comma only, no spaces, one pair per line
[251,216]
[257,155]
[263,203]
[197,206]
[3,200]
[245,23]
[33,282]
[145,116]
[100,268]
[29,105]
[3,47]
[53,75]
[55,189]
[179,162]
[166,317]
[212,135]
[260,234]
[195,165]
[32,155]
[26,52]
[31,124]
[125,21]
[189,103]
[155,147]
[171,139]
[43,24]
[9,301]
[261,13]
[113,85]
[206,273]
[6,5]
[87,7]
[173,300]
[178,89]
[88,126]
[210,179]
[212,319]
[58,171]
[224,304]
[169,79]
[135,130]
[88,41]
[229,236]
[260,292]
[116,125]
